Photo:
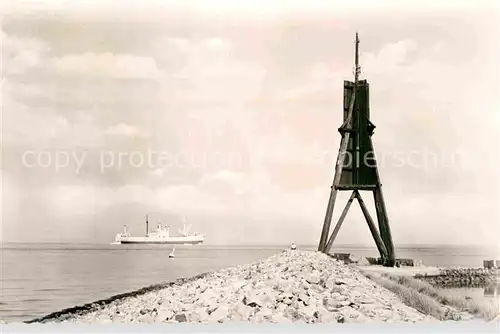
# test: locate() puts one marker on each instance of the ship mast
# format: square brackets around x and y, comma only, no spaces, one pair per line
[147,228]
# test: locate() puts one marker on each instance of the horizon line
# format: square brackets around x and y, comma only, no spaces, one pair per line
[258,244]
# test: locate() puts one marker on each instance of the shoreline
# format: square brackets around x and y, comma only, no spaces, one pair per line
[109,309]
[95,305]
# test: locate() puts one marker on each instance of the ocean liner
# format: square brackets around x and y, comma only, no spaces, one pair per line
[161,235]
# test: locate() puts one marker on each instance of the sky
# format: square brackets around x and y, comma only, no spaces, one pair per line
[226,113]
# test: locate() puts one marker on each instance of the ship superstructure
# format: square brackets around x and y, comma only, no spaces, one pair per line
[160,235]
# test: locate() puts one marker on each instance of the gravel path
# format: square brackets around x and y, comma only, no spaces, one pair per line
[303,286]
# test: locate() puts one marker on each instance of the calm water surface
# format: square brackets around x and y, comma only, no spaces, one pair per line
[37,279]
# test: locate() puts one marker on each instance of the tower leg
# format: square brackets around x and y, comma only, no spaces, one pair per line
[383,223]
[339,223]
[338,173]
[328,220]
[383,219]
[373,229]
[333,193]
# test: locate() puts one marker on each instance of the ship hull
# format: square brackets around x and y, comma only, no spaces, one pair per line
[160,242]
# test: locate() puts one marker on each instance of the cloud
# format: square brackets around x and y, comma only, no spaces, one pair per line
[68,200]
[221,193]
[390,57]
[43,127]
[258,204]
[227,9]
[269,94]
[10,198]
[224,180]
[86,200]
[210,70]
[320,85]
[247,184]
[125,130]
[158,172]
[107,65]
[21,54]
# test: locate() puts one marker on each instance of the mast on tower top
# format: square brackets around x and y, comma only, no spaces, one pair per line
[356,61]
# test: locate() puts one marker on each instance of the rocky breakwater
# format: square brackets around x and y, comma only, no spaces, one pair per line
[294,286]
[462,277]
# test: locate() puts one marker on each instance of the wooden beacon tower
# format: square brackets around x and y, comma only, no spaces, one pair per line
[356,168]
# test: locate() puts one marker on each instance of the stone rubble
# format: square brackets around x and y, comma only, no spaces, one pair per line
[294,286]
[462,277]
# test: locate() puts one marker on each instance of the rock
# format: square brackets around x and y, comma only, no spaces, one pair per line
[303,286]
[262,315]
[209,297]
[198,315]
[328,316]
[146,318]
[285,295]
[164,315]
[304,298]
[181,317]
[105,321]
[265,312]
[219,314]
[279,318]
[241,312]
[307,312]
[291,313]
[237,285]
[313,279]
[281,308]
[332,304]
[252,300]
[351,315]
